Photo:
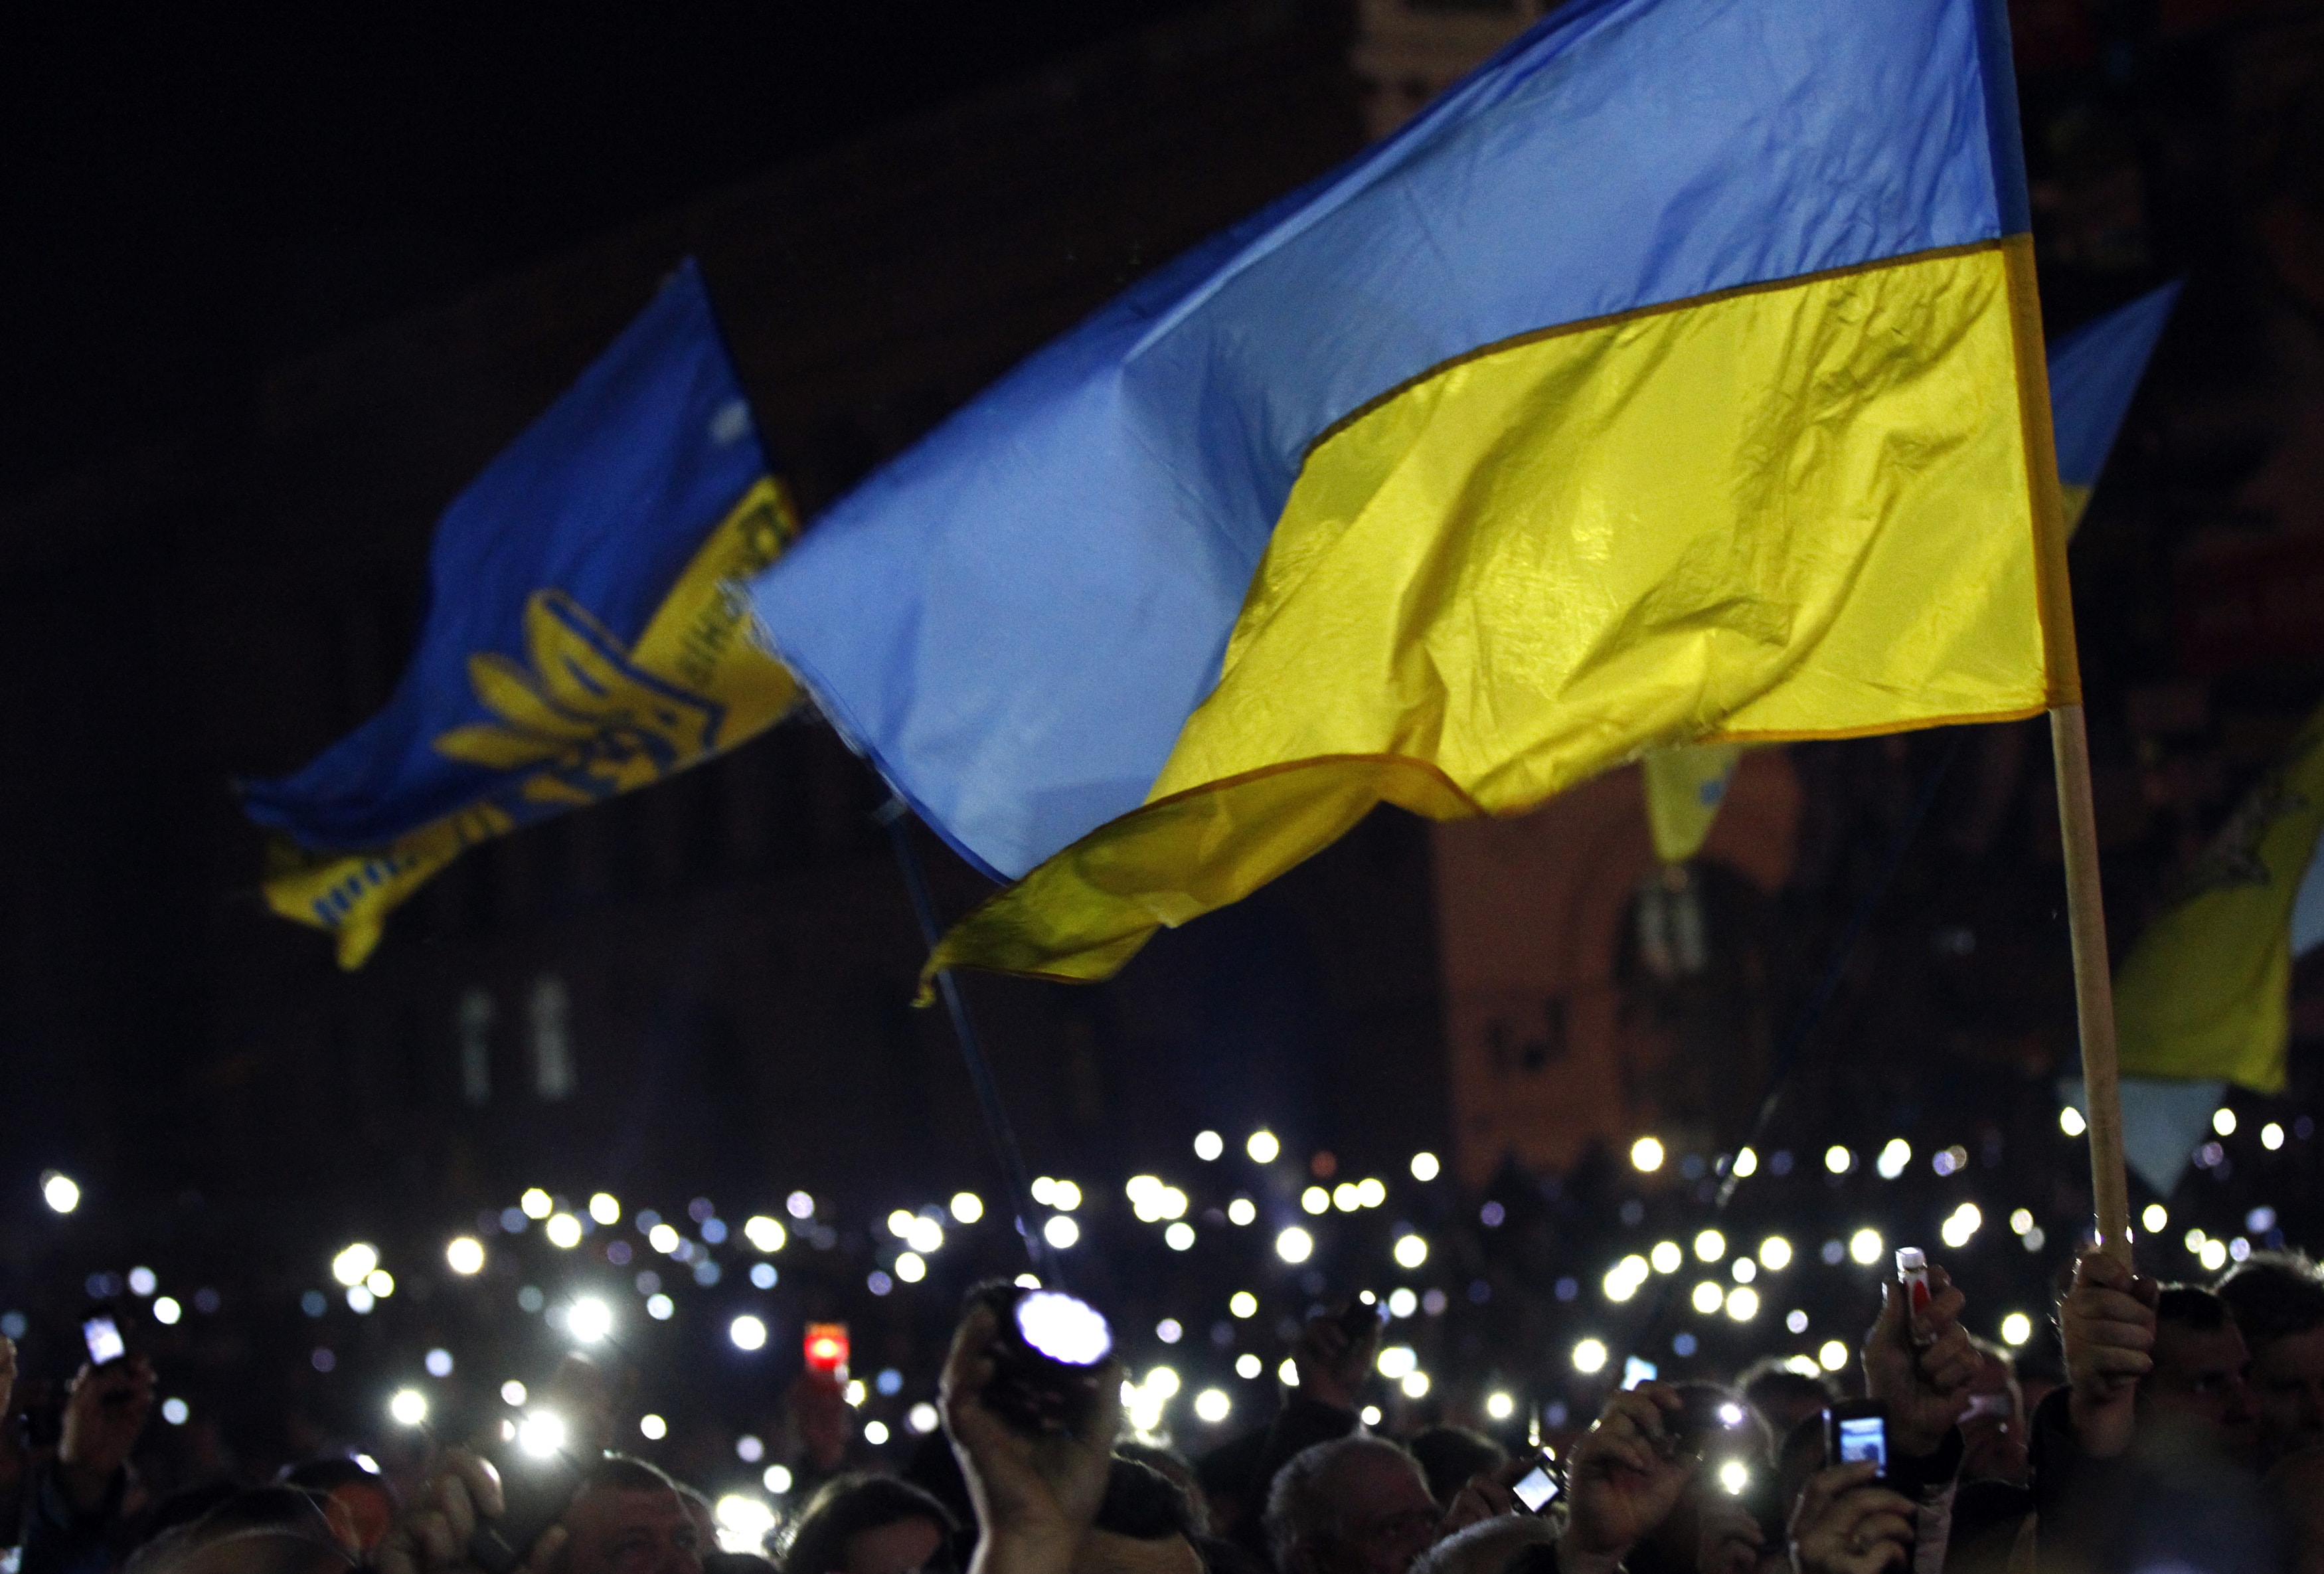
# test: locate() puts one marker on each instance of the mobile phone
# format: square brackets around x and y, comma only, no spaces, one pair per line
[1635,1372]
[538,1484]
[101,1335]
[1705,1415]
[1364,1314]
[1856,1433]
[1047,1361]
[827,1348]
[1538,1488]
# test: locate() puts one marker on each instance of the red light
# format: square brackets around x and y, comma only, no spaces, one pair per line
[826,1348]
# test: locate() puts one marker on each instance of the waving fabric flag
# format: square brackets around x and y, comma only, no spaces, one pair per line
[1674,377]
[582,638]
[2093,372]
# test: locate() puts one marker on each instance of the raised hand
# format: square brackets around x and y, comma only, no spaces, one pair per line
[1624,1479]
[1844,1524]
[1334,1364]
[431,1536]
[107,1410]
[1035,1497]
[2106,1324]
[1921,1374]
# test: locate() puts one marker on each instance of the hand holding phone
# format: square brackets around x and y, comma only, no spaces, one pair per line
[101,1335]
[1856,1433]
[1539,1487]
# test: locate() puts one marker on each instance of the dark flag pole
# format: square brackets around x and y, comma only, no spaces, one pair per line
[896,816]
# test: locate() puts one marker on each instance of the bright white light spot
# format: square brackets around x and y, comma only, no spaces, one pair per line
[1061,1232]
[767,1234]
[1208,1146]
[590,1320]
[60,1192]
[1863,1245]
[653,1428]
[535,1203]
[1590,1355]
[2021,1219]
[1775,1253]
[856,1393]
[166,1310]
[1370,1415]
[799,1205]
[2271,1136]
[1402,1302]
[1212,1405]
[1288,1374]
[540,1434]
[605,1209]
[512,1393]
[2214,1256]
[1711,1245]
[662,1238]
[1838,1158]
[1499,1406]
[1262,1147]
[1242,1210]
[351,1264]
[1295,1244]
[1963,1224]
[1746,1163]
[380,1282]
[1243,1303]
[1371,1192]
[1163,1381]
[921,1419]
[967,1208]
[1316,1199]
[911,1267]
[360,1300]
[2223,1121]
[1797,1321]
[748,1449]
[1179,1235]
[1347,1196]
[465,1254]
[1742,1303]
[1248,1366]
[1709,1298]
[1744,1271]
[875,1432]
[1893,1159]
[1396,1360]
[744,1523]
[2017,1329]
[438,1362]
[408,1407]
[1169,1330]
[1832,1356]
[142,1282]
[564,1231]
[1646,1156]
[747,1332]
[1734,1475]
[1414,1385]
[1411,1251]
[174,1411]
[660,1307]
[1425,1167]
[2070,1122]
[1666,1256]
[1065,1196]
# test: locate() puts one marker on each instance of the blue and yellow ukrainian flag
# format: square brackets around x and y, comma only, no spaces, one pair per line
[1675,377]
[2094,371]
[583,635]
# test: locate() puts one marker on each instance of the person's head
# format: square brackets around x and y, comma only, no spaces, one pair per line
[1450,1455]
[1144,1525]
[628,1518]
[2278,1301]
[267,1529]
[362,1504]
[2196,1390]
[1993,1430]
[1353,1505]
[1783,1394]
[870,1524]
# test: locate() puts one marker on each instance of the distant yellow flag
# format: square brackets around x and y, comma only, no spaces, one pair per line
[2206,991]
[1684,787]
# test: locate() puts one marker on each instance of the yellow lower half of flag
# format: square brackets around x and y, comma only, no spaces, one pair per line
[1798,511]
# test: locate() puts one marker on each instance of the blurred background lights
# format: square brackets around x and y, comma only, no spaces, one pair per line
[1499,1406]
[2017,1329]
[653,1428]
[2271,1136]
[2070,1122]
[1316,1199]
[60,1191]
[743,1521]
[1746,1163]
[380,1282]
[1179,1235]
[1961,1224]
[540,1433]
[464,1255]
[799,1205]
[535,1203]
[1248,1366]
[1863,1245]
[967,1208]
[1646,1156]
[1414,1385]
[1411,1251]
[1262,1146]
[768,1234]
[1709,1298]
[1797,1321]
[748,1449]
[1060,1231]
[777,1478]
[1665,1257]
[1710,1246]
[1295,1244]
[512,1393]
[438,1362]
[1838,1158]
[2223,1121]
[1208,1146]
[922,1419]
[1425,1167]
[564,1231]
[875,1432]
[662,1238]
[142,1282]
[352,1263]
[174,1411]
[1402,1302]
[408,1407]
[1590,1355]
[1243,1303]
[1893,1159]
[659,1307]
[1832,1356]
[1396,1360]
[1775,1253]
[1242,1210]
[1288,1374]
[605,1209]
[748,1332]
[2213,1256]
[1744,1271]
[1734,1475]
[166,1310]
[360,1300]
[1742,1303]
[1212,1405]
[590,1321]
[911,1267]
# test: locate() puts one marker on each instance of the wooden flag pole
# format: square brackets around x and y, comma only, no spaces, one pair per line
[2093,986]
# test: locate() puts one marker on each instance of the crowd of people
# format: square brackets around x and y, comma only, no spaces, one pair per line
[2187,1433]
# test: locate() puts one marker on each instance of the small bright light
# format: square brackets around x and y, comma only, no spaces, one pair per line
[1744,1271]
[1396,1360]
[1742,1303]
[1746,1163]
[409,1407]
[1623,1278]
[2021,1219]
[660,1307]
[967,1208]
[540,1434]
[921,1419]
[911,1267]
[875,1432]
[1212,1405]
[1243,1303]
[744,1522]
[142,1282]
[1262,1147]
[1893,1159]
[174,1411]
[166,1310]
[60,1192]
[1411,1251]
[2214,1256]
[1963,1223]
[1179,1235]
[1316,1199]
[2223,1121]
[2017,1329]
[351,1264]
[1414,1385]
[438,1362]
[662,1238]
[1709,1298]
[1248,1366]
[1863,1245]
[1590,1355]
[1242,1210]
[2070,1122]
[747,1332]
[856,1393]
[925,1235]
[1425,1167]
[1402,1302]
[1832,1356]
[1501,1406]
[1065,1196]
[380,1282]
[799,1205]
[1371,1192]
[360,1300]
[1775,1253]
[765,1235]
[1711,1245]
[1288,1374]
[465,1253]
[1162,1381]
[1646,1156]
[1295,1244]
[2271,1136]
[1797,1321]
[1734,1475]
[1208,1146]
[605,1209]
[1347,1196]
[1666,1256]
[590,1320]
[535,1203]
[512,1393]
[1060,1231]
[1838,1158]
[653,1428]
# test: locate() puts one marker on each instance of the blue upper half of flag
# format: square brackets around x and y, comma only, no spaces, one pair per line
[603,500]
[1015,617]
[2093,372]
